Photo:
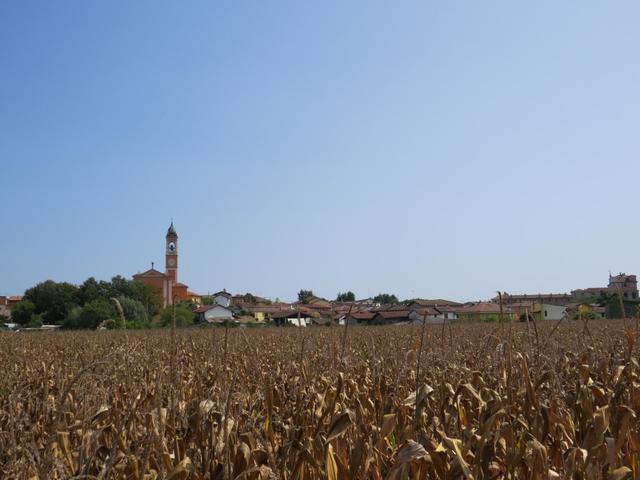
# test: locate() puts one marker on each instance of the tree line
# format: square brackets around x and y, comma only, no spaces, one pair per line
[87,305]
[305,296]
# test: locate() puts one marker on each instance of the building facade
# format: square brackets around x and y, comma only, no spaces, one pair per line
[626,285]
[166,284]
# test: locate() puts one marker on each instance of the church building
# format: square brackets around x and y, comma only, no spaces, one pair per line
[167,283]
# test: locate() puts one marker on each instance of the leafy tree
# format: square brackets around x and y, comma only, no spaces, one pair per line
[588,315]
[133,310]
[386,299]
[614,310]
[72,317]
[117,287]
[89,291]
[53,300]
[207,300]
[249,298]
[184,316]
[305,296]
[346,297]
[91,315]
[23,311]
[35,322]
[146,295]
[121,285]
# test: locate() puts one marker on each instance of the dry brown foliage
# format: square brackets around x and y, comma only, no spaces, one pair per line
[297,404]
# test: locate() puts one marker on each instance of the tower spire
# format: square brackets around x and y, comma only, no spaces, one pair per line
[172,229]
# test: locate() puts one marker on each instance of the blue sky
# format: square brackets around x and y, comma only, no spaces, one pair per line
[433,149]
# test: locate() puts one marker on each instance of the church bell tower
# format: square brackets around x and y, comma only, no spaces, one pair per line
[171,254]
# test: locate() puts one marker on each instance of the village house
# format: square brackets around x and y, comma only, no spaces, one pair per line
[439,302]
[222,298]
[535,311]
[323,307]
[220,311]
[356,318]
[7,303]
[214,314]
[626,285]
[390,317]
[577,309]
[297,316]
[560,299]
[480,312]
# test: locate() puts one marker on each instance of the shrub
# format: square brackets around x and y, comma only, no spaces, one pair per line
[184,316]
[35,322]
[134,310]
[91,315]
[23,311]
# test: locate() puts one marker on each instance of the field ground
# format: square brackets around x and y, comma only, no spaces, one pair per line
[293,403]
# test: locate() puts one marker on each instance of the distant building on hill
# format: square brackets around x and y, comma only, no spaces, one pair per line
[560,299]
[166,284]
[622,283]
[7,303]
[481,312]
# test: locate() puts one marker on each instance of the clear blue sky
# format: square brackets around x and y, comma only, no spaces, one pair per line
[433,149]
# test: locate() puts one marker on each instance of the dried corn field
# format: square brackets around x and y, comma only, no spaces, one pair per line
[473,401]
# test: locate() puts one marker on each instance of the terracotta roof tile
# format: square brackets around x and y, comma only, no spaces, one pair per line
[481,308]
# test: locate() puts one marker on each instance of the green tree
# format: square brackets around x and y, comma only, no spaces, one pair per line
[207,300]
[346,297]
[88,292]
[91,315]
[35,322]
[249,298]
[184,316]
[589,315]
[386,299]
[305,296]
[23,311]
[72,316]
[133,310]
[146,295]
[117,287]
[52,300]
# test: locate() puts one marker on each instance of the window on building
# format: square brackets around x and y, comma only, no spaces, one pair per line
[546,314]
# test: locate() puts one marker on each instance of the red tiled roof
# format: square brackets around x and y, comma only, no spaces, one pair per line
[449,308]
[362,315]
[289,313]
[481,308]
[428,311]
[438,302]
[394,314]
[525,296]
[223,293]
[206,308]
[265,309]
[390,308]
[522,304]
[152,272]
